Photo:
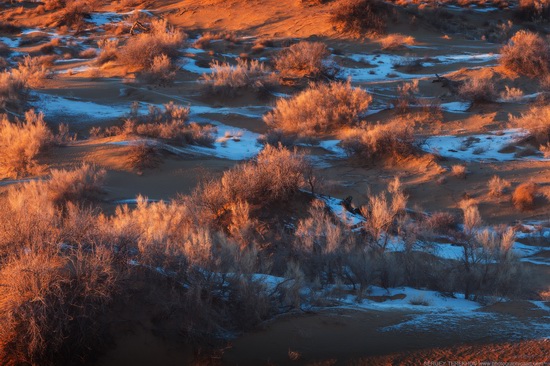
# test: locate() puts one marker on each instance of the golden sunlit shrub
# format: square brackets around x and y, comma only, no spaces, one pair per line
[524,195]
[144,156]
[12,89]
[204,41]
[140,50]
[394,41]
[537,122]
[50,304]
[459,171]
[21,143]
[171,124]
[526,53]
[393,140]
[533,10]
[226,79]
[320,109]
[478,90]
[498,186]
[305,60]
[161,71]
[359,17]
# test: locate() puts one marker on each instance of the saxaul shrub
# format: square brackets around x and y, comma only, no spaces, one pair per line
[526,53]
[161,39]
[21,143]
[393,140]
[226,79]
[320,109]
[305,60]
[360,17]
[524,195]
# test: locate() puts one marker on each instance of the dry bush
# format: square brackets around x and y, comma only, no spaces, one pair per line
[12,89]
[78,185]
[322,108]
[305,60]
[33,71]
[394,140]
[144,156]
[171,124]
[533,10]
[50,305]
[524,195]
[478,90]
[511,94]
[226,79]
[140,50]
[274,176]
[394,41]
[498,186]
[108,50]
[204,41]
[21,143]
[442,223]
[88,53]
[161,71]
[526,53]
[459,171]
[358,17]
[406,96]
[537,122]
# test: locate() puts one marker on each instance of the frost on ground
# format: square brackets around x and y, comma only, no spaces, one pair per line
[477,147]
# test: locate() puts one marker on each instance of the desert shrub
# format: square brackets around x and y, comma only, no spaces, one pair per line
[394,140]
[406,96]
[459,171]
[226,79]
[21,143]
[32,71]
[274,176]
[361,16]
[204,41]
[78,185]
[498,186]
[50,305]
[524,195]
[511,94]
[478,90]
[12,89]
[381,213]
[537,122]
[140,50]
[305,60]
[322,108]
[108,50]
[88,53]
[161,71]
[144,156]
[441,223]
[171,124]
[533,10]
[394,41]
[526,53]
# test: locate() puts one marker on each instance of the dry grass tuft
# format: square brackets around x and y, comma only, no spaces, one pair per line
[498,186]
[459,171]
[478,90]
[395,41]
[305,60]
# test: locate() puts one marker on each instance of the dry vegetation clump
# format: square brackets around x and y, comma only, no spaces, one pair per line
[305,60]
[498,186]
[478,90]
[161,71]
[171,124]
[533,10]
[360,17]
[21,143]
[162,39]
[50,304]
[511,94]
[226,79]
[459,171]
[524,195]
[108,50]
[320,109]
[204,41]
[395,41]
[144,156]
[12,90]
[393,140]
[537,122]
[526,53]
